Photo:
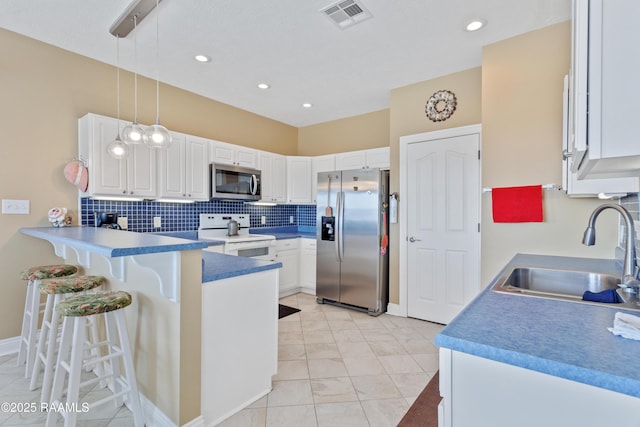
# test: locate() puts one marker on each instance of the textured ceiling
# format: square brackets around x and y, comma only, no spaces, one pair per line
[289,44]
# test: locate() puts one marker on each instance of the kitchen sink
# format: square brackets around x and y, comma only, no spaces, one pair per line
[568,285]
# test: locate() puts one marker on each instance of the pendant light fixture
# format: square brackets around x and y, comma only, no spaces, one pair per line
[134,133]
[157,136]
[118,149]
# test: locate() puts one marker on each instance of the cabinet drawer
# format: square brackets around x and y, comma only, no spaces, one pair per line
[286,245]
[308,244]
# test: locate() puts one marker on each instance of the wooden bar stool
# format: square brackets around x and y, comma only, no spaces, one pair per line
[70,355]
[34,275]
[56,289]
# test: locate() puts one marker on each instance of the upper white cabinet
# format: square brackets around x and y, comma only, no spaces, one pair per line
[183,171]
[273,169]
[134,176]
[575,187]
[230,154]
[604,89]
[320,164]
[373,158]
[298,180]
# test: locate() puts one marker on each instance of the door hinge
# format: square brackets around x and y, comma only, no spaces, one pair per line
[478,154]
[478,227]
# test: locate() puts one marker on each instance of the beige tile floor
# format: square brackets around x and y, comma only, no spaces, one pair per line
[341,368]
[336,368]
[14,389]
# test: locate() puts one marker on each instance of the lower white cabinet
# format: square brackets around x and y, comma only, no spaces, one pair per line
[481,392]
[298,258]
[308,265]
[287,253]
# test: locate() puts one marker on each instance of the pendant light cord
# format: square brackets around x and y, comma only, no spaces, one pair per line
[118,81]
[157,63]
[135,69]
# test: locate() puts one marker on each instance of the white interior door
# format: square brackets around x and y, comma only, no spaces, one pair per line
[443,217]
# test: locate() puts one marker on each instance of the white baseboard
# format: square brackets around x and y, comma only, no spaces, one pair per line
[196,422]
[395,310]
[9,346]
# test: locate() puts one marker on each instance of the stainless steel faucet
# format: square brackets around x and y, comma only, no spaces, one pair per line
[630,268]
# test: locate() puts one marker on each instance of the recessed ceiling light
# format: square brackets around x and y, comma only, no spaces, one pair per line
[475,25]
[307,105]
[263,86]
[202,58]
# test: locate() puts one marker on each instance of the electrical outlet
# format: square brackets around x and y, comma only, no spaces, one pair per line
[15,207]
[291,219]
[263,220]
[157,222]
[123,222]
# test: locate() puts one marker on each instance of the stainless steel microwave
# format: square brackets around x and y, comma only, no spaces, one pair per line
[234,182]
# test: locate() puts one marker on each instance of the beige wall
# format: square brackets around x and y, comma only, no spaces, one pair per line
[44,91]
[522,145]
[408,117]
[369,130]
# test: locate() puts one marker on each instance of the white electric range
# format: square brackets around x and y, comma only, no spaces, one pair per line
[257,246]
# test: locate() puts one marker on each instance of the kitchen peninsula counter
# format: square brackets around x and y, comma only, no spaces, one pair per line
[176,289]
[527,353]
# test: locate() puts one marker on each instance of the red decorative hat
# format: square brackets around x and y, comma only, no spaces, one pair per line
[76,173]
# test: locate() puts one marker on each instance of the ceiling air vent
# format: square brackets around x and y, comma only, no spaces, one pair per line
[346,13]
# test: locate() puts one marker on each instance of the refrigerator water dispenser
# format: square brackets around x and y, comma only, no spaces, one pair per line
[328,223]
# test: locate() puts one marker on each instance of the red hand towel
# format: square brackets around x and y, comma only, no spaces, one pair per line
[517,204]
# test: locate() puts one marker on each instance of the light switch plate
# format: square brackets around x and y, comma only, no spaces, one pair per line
[263,219]
[157,222]
[15,207]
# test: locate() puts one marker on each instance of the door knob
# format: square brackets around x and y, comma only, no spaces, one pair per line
[413,239]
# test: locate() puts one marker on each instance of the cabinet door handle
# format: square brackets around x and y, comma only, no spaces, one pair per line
[566,154]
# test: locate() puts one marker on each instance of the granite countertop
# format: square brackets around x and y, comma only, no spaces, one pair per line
[565,339]
[112,243]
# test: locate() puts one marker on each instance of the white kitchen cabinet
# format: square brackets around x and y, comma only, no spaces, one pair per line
[273,169]
[605,90]
[299,180]
[287,253]
[230,154]
[372,158]
[132,177]
[183,173]
[575,187]
[482,392]
[307,265]
[320,164]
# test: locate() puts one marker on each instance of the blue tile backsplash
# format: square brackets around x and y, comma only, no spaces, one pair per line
[184,216]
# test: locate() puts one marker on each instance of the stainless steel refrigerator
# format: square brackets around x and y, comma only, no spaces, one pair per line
[352,244]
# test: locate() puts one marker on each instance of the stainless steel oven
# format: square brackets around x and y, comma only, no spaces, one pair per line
[234,182]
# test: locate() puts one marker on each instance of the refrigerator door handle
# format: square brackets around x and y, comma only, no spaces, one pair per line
[336,237]
[340,225]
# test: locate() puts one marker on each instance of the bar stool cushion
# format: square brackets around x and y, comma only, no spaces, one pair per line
[93,303]
[68,285]
[48,271]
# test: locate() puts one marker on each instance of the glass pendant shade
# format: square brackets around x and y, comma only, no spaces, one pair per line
[133,133]
[157,136]
[118,149]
